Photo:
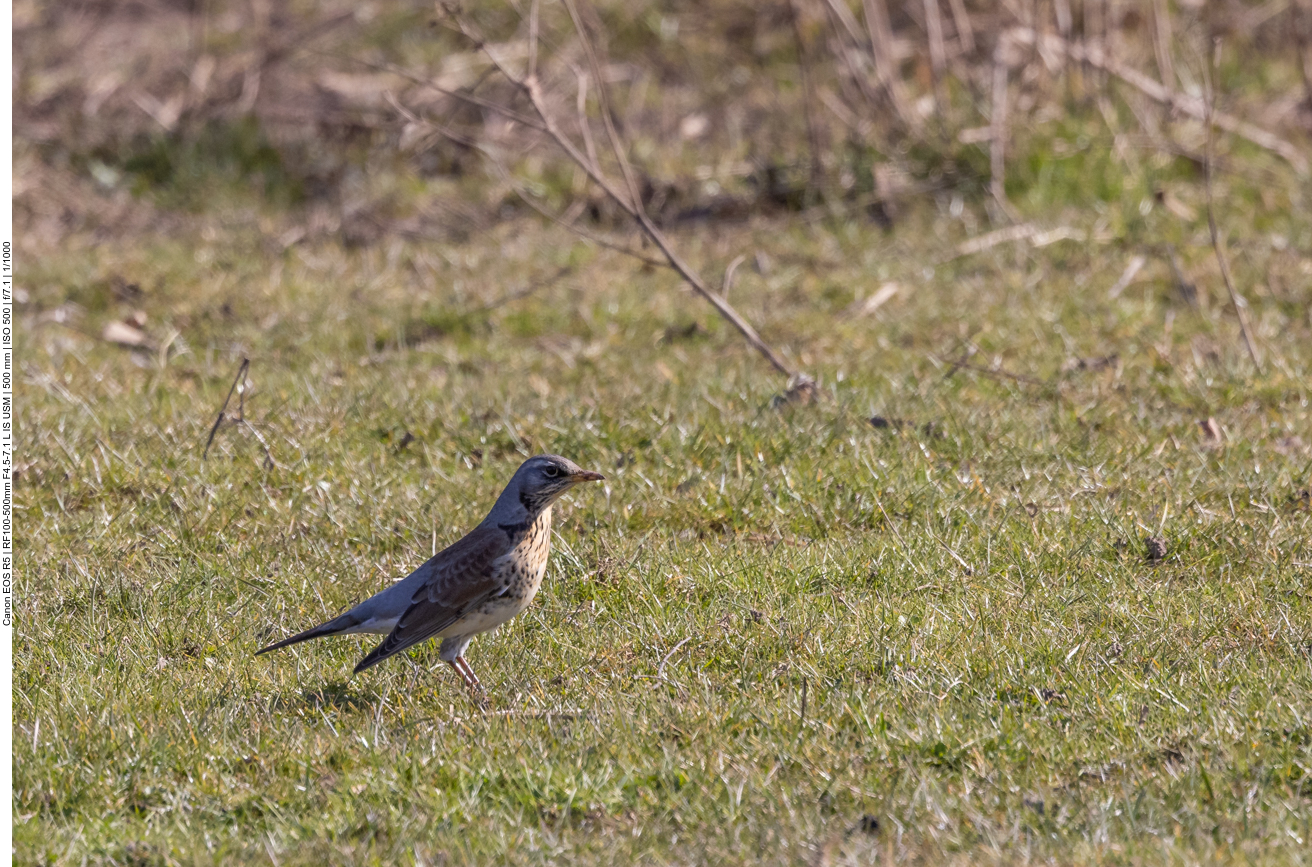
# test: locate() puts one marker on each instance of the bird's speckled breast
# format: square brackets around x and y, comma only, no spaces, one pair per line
[519,573]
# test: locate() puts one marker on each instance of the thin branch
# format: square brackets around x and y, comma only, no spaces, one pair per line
[660,670]
[938,55]
[881,52]
[218,420]
[239,386]
[1162,43]
[599,240]
[526,291]
[1235,298]
[965,32]
[998,132]
[518,189]
[603,104]
[582,105]
[1003,374]
[508,113]
[533,39]
[632,202]
[808,94]
[1155,90]
[844,22]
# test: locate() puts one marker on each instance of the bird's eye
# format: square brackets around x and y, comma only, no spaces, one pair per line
[552,472]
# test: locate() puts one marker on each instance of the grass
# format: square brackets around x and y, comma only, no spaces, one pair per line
[776,635]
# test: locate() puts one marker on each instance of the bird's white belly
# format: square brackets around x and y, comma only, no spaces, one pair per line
[519,592]
[485,618]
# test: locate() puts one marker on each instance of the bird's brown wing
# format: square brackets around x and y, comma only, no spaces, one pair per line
[461,579]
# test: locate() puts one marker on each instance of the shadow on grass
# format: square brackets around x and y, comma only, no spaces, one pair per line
[335,695]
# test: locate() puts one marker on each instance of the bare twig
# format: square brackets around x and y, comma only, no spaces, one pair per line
[844,22]
[508,113]
[965,32]
[938,55]
[1155,90]
[1235,298]
[809,100]
[967,352]
[1162,43]
[1062,10]
[518,189]
[239,386]
[533,38]
[524,292]
[998,132]
[1021,232]
[843,15]
[881,50]
[218,420]
[585,127]
[997,374]
[629,198]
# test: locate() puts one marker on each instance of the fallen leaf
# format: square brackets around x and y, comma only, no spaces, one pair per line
[1175,206]
[882,296]
[123,334]
[1211,430]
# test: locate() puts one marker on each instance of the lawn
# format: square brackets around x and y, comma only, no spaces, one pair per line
[1029,580]
[778,633]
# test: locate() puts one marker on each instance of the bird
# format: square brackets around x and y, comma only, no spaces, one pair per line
[474,585]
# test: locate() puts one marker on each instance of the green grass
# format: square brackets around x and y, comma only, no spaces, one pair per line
[991,670]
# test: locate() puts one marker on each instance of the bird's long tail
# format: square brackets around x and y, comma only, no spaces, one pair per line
[332,627]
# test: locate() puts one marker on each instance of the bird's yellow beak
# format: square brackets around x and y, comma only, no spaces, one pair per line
[586,476]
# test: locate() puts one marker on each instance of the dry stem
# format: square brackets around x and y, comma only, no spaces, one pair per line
[1235,298]
[629,198]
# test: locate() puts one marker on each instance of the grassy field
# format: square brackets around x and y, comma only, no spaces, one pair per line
[778,634]
[916,620]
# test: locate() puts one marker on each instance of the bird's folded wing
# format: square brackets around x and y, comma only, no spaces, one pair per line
[460,579]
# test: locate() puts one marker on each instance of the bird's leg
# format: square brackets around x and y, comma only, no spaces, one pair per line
[467,671]
[457,669]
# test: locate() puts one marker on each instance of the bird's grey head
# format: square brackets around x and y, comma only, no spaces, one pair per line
[541,479]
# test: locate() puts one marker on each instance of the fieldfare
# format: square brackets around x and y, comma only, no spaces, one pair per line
[473,586]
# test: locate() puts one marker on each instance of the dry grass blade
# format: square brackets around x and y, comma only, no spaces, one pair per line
[881,50]
[1132,269]
[998,131]
[1240,304]
[809,104]
[965,30]
[1162,43]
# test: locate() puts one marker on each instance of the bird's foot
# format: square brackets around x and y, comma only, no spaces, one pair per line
[462,668]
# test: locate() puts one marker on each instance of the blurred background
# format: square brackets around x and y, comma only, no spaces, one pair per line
[364,121]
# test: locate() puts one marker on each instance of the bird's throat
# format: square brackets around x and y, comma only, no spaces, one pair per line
[532,526]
